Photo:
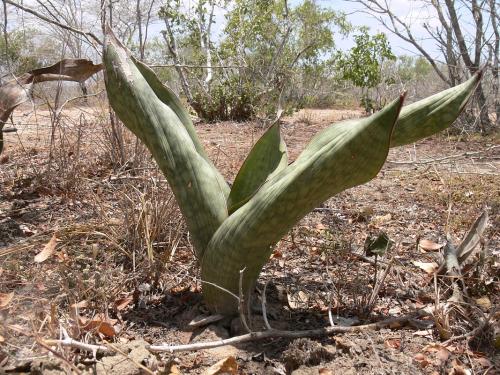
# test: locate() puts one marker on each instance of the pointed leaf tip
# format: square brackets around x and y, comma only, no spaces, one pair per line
[433,114]
[267,157]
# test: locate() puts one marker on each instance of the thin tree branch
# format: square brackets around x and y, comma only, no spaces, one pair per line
[197,66]
[46,19]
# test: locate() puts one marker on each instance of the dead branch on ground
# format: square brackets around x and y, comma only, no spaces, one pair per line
[275,333]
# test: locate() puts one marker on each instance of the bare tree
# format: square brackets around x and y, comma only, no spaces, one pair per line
[463,51]
[494,47]
[71,13]
[202,26]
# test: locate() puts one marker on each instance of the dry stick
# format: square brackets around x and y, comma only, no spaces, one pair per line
[44,345]
[471,334]
[141,366]
[377,287]
[68,341]
[264,310]
[275,333]
[430,161]
[241,302]
[59,110]
[330,316]
[480,173]
[205,320]
[196,66]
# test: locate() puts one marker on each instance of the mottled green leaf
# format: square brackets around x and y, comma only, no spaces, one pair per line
[267,157]
[151,113]
[167,96]
[348,154]
[433,114]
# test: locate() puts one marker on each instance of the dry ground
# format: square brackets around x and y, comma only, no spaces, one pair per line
[119,267]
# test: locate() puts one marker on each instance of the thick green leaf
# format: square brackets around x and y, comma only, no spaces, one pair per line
[267,157]
[151,113]
[167,96]
[433,114]
[351,153]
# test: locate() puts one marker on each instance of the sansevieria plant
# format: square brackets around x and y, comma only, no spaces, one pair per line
[235,228]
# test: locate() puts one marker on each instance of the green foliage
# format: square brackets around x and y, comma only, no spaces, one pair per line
[377,245]
[362,65]
[231,96]
[409,68]
[268,196]
[17,53]
[25,50]
[281,51]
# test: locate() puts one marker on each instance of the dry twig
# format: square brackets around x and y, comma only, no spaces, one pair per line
[275,333]
[445,158]
[66,340]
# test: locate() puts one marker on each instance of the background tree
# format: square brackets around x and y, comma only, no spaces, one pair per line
[362,65]
[464,28]
[18,53]
[271,46]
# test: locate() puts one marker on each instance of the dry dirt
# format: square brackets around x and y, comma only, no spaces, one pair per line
[120,270]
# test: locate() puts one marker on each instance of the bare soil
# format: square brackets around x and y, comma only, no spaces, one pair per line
[121,271]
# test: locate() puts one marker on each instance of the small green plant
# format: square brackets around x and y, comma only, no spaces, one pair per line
[235,228]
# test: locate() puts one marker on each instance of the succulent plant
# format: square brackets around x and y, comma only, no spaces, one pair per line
[235,228]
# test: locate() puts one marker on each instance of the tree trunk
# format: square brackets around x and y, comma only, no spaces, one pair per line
[473,66]
[496,62]
[484,117]
[85,92]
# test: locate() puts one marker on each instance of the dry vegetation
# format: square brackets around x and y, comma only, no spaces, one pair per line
[115,265]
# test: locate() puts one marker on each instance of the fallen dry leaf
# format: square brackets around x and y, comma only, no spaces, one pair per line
[321,226]
[276,254]
[325,371]
[443,354]
[484,302]
[2,339]
[103,326]
[62,257]
[392,343]
[224,366]
[484,362]
[298,300]
[174,370]
[382,219]
[423,333]
[47,251]
[428,267]
[421,359]
[429,245]
[5,299]
[122,303]
[458,369]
